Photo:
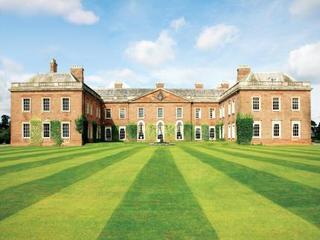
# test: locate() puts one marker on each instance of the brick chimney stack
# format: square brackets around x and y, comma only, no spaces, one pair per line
[242,72]
[159,85]
[53,66]
[118,85]
[77,73]
[198,86]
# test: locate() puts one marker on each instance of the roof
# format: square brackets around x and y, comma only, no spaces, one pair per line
[53,77]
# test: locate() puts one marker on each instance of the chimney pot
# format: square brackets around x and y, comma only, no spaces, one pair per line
[198,86]
[242,72]
[118,85]
[159,85]
[53,66]
[77,73]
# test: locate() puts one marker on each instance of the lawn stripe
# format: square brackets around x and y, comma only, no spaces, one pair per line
[297,198]
[234,210]
[81,210]
[19,197]
[267,158]
[17,178]
[159,205]
[308,178]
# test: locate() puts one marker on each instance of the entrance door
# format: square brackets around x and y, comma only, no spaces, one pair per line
[160,132]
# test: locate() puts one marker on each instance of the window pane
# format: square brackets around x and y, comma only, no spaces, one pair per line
[46,130]
[108,134]
[140,131]
[65,104]
[256,130]
[212,133]
[295,103]
[26,104]
[122,134]
[276,130]
[46,104]
[141,112]
[295,130]
[65,130]
[160,112]
[198,133]
[179,112]
[26,130]
[256,103]
[276,104]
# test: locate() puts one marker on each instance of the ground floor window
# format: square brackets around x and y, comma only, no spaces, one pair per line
[65,130]
[122,133]
[108,134]
[296,129]
[212,132]
[276,129]
[160,131]
[197,133]
[46,130]
[256,129]
[98,132]
[179,130]
[26,130]
[229,131]
[141,130]
[233,131]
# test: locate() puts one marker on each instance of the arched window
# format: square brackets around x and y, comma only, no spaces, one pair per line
[179,130]
[141,130]
[160,131]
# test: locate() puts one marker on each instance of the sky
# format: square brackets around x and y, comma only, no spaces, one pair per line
[178,42]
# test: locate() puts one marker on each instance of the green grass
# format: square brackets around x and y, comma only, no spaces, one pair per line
[137,191]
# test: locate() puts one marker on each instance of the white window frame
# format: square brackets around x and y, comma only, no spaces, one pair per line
[43,104]
[195,133]
[125,113]
[62,104]
[105,133]
[22,104]
[276,110]
[229,131]
[182,130]
[22,130]
[229,108]
[43,130]
[143,130]
[61,127]
[105,113]
[138,112]
[299,124]
[195,113]
[280,129]
[212,113]
[233,131]
[125,133]
[214,129]
[233,107]
[299,104]
[260,125]
[177,113]
[162,117]
[256,110]
[164,129]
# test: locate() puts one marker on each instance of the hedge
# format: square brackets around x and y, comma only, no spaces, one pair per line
[94,131]
[115,133]
[169,132]
[205,132]
[82,127]
[150,133]
[36,132]
[55,129]
[218,131]
[244,128]
[132,132]
[187,131]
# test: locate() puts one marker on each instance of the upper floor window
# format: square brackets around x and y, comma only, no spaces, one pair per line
[256,103]
[108,114]
[160,112]
[26,104]
[98,112]
[179,112]
[46,130]
[122,113]
[212,113]
[140,112]
[26,130]
[295,102]
[229,108]
[87,108]
[233,107]
[276,104]
[222,112]
[65,104]
[198,113]
[46,104]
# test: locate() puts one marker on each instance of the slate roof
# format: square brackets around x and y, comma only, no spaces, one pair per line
[52,77]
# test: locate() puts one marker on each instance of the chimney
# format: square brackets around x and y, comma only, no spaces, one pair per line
[242,72]
[77,73]
[53,66]
[118,85]
[224,86]
[198,86]
[159,85]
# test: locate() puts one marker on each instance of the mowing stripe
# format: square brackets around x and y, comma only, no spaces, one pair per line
[81,210]
[159,205]
[17,178]
[264,158]
[303,177]
[19,197]
[234,210]
[50,160]
[297,198]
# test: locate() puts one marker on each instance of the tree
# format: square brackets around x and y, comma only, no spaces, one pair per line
[5,121]
[313,128]
[318,131]
[5,129]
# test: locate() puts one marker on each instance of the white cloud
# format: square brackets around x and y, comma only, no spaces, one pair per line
[215,36]
[152,53]
[178,23]
[304,62]
[10,71]
[305,7]
[71,10]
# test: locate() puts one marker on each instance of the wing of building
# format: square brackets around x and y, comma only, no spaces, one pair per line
[53,103]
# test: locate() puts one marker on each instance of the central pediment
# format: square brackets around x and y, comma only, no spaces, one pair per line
[160,95]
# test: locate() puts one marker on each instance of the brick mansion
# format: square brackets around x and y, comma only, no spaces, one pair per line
[279,104]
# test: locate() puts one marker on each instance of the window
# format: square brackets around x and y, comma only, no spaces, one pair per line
[295,104]
[122,113]
[87,108]
[26,104]
[108,134]
[212,113]
[296,129]
[65,104]
[276,129]
[276,104]
[98,112]
[198,113]
[179,130]
[65,130]
[233,131]
[212,133]
[179,112]
[233,107]
[26,130]
[229,131]
[140,112]
[108,113]
[46,130]
[46,104]
[256,103]
[91,109]
[222,112]
[122,133]
[90,131]
[141,130]
[222,131]
[160,112]
[256,129]
[229,108]
[198,133]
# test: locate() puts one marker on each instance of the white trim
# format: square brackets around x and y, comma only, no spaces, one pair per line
[273,123]
[125,133]
[214,129]
[260,125]
[162,112]
[138,117]
[195,133]
[276,110]
[299,124]
[125,112]
[105,113]
[256,110]
[177,113]
[182,130]
[195,113]
[61,127]
[233,131]
[42,104]
[233,107]
[299,104]
[163,130]
[23,137]
[22,104]
[62,104]
[143,130]
[229,108]
[105,133]
[213,113]
[229,131]
[45,122]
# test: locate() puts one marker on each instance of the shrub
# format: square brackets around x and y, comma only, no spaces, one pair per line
[82,127]
[115,133]
[219,126]
[132,131]
[244,128]
[169,132]
[187,131]
[94,131]
[55,129]
[205,132]
[151,133]
[36,132]
[4,135]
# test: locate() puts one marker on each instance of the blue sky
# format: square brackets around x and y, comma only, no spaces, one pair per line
[177,42]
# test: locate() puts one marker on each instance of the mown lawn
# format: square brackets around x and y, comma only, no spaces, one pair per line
[137,191]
